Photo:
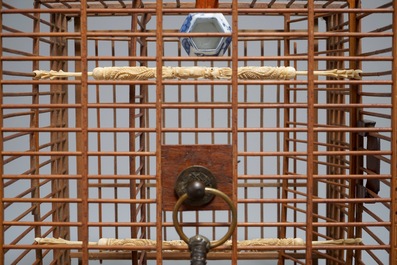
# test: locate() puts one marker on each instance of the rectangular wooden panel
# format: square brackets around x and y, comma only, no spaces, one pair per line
[216,158]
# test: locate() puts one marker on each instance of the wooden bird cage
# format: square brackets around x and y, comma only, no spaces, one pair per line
[310,157]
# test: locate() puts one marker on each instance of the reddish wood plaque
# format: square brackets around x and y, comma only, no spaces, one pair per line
[207,3]
[216,158]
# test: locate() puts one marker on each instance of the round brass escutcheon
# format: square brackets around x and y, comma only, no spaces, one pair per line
[195,174]
[216,192]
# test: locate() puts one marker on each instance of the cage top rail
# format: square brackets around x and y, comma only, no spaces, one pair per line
[179,7]
[192,3]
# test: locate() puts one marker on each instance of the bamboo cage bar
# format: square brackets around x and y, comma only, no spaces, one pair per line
[311,156]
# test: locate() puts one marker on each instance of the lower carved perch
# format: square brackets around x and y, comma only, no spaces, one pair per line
[182,245]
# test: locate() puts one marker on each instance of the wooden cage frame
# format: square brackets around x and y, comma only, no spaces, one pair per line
[323,168]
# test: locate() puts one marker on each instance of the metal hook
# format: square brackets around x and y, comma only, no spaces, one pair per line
[216,193]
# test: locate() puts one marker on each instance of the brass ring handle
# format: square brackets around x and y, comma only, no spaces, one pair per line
[214,192]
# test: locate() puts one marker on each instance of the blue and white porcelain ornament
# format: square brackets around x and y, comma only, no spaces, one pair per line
[205,46]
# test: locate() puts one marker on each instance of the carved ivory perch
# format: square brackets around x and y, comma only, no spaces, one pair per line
[246,72]
[181,243]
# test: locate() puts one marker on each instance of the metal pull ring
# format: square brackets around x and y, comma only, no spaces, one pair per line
[216,193]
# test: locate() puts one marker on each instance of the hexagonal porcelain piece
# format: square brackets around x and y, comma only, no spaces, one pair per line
[205,46]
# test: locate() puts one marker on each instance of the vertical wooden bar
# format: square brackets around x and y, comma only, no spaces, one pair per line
[2,258]
[115,145]
[357,140]
[294,144]
[286,145]
[234,119]
[393,187]
[64,209]
[84,132]
[354,117]
[179,99]
[78,119]
[159,129]
[99,147]
[34,136]
[310,130]
[245,145]
[262,144]
[314,118]
[144,141]
[132,48]
[212,99]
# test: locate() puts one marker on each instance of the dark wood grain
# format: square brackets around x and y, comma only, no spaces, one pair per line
[176,158]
